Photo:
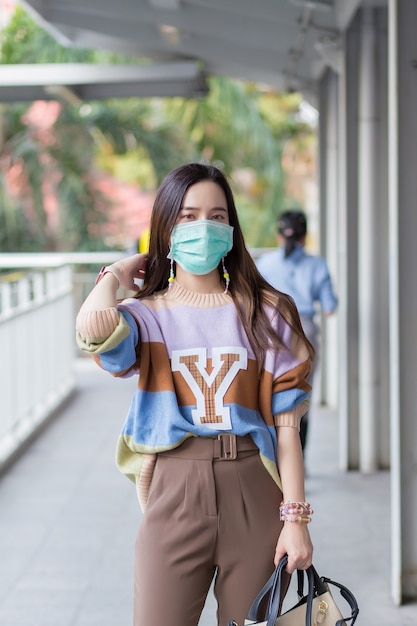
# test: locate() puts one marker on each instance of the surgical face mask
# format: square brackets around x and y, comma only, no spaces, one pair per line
[199,246]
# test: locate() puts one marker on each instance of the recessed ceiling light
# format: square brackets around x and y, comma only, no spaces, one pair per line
[320,5]
[171,34]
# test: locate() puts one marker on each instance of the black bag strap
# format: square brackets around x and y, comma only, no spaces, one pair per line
[350,599]
[317,585]
[300,583]
[272,589]
[275,594]
[253,613]
[318,582]
[275,598]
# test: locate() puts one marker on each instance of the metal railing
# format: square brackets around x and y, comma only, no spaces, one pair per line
[39,294]
[37,356]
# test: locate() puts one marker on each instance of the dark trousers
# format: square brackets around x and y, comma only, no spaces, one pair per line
[304,430]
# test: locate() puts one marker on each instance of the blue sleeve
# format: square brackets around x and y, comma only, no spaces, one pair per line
[324,291]
[123,355]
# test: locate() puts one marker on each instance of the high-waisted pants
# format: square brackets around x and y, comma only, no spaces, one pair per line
[206,518]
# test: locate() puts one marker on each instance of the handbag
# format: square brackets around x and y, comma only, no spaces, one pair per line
[315,608]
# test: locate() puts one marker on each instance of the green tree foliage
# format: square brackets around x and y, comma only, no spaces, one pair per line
[135,126]
[237,126]
[68,159]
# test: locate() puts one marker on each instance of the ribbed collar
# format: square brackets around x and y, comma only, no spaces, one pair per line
[198,300]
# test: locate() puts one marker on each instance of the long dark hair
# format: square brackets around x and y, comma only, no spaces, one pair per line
[292,225]
[249,290]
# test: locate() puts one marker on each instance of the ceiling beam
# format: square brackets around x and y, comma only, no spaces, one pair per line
[246,39]
[25,82]
[216,24]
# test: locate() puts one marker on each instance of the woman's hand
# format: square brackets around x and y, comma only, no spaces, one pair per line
[295,541]
[126,270]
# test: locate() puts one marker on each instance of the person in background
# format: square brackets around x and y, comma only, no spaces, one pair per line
[304,277]
[211,438]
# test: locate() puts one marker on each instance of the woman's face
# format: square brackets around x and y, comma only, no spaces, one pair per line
[204,201]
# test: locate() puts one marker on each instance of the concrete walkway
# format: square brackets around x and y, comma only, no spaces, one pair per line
[68,521]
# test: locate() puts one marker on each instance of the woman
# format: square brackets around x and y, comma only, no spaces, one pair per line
[211,438]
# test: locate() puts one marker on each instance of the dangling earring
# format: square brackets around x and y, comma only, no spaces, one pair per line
[225,276]
[171,274]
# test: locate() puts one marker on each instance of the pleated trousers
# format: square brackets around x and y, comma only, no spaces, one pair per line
[206,519]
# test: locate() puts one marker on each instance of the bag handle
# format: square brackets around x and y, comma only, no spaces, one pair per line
[273,587]
[319,583]
[350,599]
[275,596]
[253,613]
[316,586]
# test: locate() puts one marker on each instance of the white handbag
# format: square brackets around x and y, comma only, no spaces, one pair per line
[315,608]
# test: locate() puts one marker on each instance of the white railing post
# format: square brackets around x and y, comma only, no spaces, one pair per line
[37,346]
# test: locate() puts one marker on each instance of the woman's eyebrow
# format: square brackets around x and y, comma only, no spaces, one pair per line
[215,208]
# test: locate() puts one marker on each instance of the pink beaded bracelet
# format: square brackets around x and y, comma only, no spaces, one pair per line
[295,512]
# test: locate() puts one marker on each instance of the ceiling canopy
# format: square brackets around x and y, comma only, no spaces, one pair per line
[281,43]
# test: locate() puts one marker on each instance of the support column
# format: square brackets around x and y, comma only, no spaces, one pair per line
[348,261]
[328,228]
[402,89]
[368,253]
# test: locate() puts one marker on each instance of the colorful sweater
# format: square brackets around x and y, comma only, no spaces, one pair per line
[198,377]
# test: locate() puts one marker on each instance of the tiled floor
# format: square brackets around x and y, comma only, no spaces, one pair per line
[68,521]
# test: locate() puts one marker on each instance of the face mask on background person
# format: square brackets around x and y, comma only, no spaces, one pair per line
[198,247]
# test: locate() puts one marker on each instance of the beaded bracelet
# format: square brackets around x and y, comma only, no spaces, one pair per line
[295,512]
[296,518]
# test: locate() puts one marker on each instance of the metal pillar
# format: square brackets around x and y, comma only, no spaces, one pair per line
[382,265]
[348,257]
[402,64]
[329,236]
[367,218]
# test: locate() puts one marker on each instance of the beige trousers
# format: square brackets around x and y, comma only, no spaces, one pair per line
[205,519]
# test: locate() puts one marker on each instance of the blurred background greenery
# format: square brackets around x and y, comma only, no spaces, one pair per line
[70,173]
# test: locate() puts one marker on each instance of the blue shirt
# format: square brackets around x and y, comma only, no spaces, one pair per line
[301,275]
